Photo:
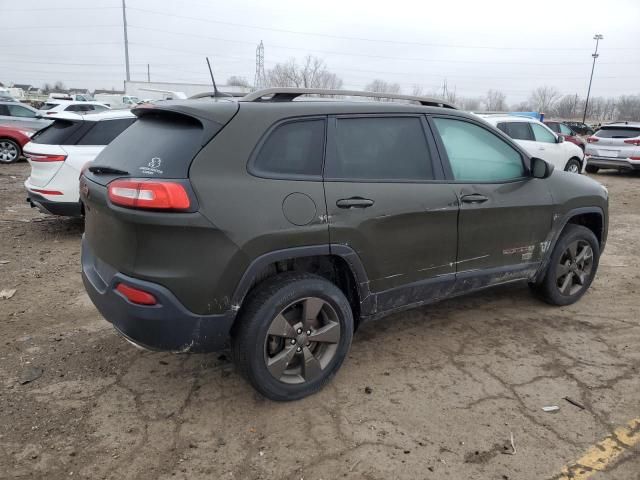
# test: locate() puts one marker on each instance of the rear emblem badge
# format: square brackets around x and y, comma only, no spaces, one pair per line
[155,162]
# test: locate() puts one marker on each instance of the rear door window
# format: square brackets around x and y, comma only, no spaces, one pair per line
[517,130]
[60,132]
[477,155]
[380,148]
[554,126]
[19,111]
[105,131]
[543,134]
[618,132]
[293,149]
[156,145]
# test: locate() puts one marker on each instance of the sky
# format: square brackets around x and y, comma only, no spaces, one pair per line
[474,46]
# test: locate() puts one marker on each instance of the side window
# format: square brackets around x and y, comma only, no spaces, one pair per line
[74,108]
[18,111]
[380,148]
[293,149]
[4,110]
[542,134]
[105,131]
[556,127]
[565,130]
[520,131]
[98,108]
[477,155]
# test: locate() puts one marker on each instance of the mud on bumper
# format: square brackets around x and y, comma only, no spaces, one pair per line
[167,326]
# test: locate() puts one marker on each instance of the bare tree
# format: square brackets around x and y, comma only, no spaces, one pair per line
[568,107]
[417,91]
[628,107]
[495,101]
[380,86]
[46,88]
[235,81]
[59,86]
[521,107]
[544,98]
[471,104]
[312,73]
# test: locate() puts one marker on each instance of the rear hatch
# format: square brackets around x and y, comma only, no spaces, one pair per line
[46,152]
[157,149]
[615,141]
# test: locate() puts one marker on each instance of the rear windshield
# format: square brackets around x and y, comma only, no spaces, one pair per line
[48,106]
[156,145]
[618,132]
[58,133]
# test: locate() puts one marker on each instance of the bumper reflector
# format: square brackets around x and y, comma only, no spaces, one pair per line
[135,295]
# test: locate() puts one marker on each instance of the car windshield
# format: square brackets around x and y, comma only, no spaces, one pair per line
[618,132]
[48,106]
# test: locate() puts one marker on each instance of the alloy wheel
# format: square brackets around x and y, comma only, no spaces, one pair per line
[573,168]
[302,340]
[574,268]
[8,152]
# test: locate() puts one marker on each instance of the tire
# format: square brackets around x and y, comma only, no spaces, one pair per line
[591,169]
[10,151]
[282,362]
[573,166]
[559,288]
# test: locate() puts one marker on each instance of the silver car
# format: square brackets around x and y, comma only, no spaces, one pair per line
[15,114]
[616,145]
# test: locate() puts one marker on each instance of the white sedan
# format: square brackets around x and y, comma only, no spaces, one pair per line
[58,152]
[539,141]
[55,106]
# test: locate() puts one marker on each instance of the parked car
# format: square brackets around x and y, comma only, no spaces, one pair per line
[51,107]
[615,145]
[12,140]
[560,128]
[18,115]
[58,153]
[537,139]
[282,225]
[580,128]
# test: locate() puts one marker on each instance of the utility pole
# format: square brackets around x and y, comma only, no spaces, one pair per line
[597,37]
[126,39]
[259,80]
[148,74]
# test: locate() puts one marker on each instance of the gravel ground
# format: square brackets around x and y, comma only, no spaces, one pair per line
[433,393]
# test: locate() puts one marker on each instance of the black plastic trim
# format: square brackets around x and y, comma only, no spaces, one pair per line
[63,209]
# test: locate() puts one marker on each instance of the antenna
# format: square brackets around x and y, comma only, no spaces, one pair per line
[213,80]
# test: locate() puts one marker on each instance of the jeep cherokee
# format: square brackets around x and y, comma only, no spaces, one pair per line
[279,226]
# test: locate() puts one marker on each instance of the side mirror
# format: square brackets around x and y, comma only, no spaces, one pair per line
[560,138]
[540,168]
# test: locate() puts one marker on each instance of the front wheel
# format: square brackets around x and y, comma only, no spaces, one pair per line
[573,166]
[9,151]
[292,335]
[571,268]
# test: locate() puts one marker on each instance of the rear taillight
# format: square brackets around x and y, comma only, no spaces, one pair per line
[633,141]
[135,295]
[153,194]
[43,157]
[592,139]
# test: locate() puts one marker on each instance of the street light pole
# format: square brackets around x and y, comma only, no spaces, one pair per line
[126,39]
[597,37]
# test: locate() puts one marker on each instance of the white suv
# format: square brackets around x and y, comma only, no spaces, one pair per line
[616,145]
[58,152]
[55,106]
[539,141]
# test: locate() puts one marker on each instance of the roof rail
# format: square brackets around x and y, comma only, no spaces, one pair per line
[286,94]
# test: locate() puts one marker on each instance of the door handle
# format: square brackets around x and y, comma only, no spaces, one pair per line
[474,198]
[354,202]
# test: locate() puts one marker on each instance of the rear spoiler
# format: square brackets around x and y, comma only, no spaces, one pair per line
[212,116]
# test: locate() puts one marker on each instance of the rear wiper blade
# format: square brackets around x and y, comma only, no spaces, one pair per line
[106,170]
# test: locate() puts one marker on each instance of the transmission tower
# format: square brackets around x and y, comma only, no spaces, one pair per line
[260,79]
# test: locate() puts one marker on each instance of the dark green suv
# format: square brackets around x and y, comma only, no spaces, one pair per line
[279,226]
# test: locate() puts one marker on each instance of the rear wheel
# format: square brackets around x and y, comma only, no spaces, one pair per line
[292,335]
[591,169]
[10,151]
[571,268]
[573,166]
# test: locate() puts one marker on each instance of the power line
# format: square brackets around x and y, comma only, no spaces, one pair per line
[342,37]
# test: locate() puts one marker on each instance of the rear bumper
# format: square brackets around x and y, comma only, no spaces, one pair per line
[168,325]
[65,209]
[618,163]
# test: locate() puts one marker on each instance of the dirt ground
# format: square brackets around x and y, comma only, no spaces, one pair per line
[448,384]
